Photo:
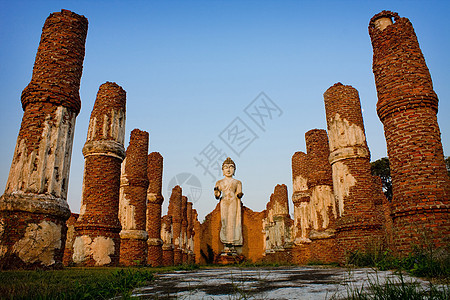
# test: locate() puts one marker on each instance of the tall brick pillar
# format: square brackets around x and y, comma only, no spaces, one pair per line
[174,211]
[133,201]
[184,226]
[166,236]
[190,234]
[34,209]
[358,225]
[407,107]
[154,202]
[97,241]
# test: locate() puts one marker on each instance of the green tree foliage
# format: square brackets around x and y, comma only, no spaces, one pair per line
[381,169]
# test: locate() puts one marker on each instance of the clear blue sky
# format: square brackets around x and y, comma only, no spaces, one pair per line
[190,69]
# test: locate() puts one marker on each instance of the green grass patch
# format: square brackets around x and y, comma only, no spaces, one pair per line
[397,289]
[73,283]
[421,262]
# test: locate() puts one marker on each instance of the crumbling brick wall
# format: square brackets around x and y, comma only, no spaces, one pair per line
[133,201]
[155,200]
[407,107]
[315,209]
[97,241]
[359,224]
[34,209]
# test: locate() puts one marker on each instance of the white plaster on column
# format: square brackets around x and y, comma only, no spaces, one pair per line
[300,183]
[382,23]
[45,170]
[100,249]
[39,243]
[342,134]
[81,249]
[166,234]
[343,180]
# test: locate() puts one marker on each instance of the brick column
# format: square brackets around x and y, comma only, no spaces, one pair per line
[358,224]
[190,234]
[407,107]
[34,209]
[166,236]
[175,212]
[68,250]
[184,226]
[97,241]
[277,223]
[320,183]
[133,201]
[301,196]
[155,200]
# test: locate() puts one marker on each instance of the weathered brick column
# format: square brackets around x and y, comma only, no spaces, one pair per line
[318,209]
[155,200]
[133,201]
[174,211]
[277,226]
[301,196]
[166,236]
[97,241]
[407,107]
[190,234]
[358,224]
[184,227]
[320,182]
[34,209]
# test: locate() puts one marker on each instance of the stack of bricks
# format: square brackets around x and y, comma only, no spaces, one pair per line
[166,236]
[175,211]
[133,201]
[359,224]
[34,209]
[68,250]
[407,107]
[190,233]
[184,227]
[316,213]
[97,241]
[277,226]
[154,202]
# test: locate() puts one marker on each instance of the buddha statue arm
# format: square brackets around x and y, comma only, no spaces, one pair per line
[239,192]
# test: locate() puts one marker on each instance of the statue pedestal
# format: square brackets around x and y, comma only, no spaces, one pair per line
[229,258]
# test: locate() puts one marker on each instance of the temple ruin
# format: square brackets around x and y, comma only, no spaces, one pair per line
[338,205]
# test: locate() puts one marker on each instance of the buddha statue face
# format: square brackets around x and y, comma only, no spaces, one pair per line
[228,170]
[228,167]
